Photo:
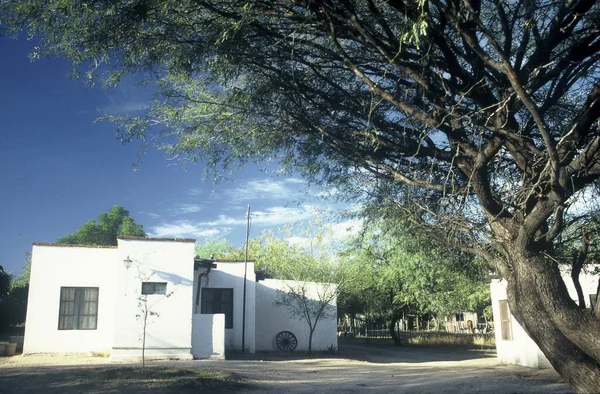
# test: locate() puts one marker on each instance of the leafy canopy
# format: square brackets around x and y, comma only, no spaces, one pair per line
[404,271]
[481,111]
[116,222]
[478,117]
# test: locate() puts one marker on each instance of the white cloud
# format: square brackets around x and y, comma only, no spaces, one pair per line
[273,216]
[334,233]
[344,230]
[187,229]
[187,208]
[151,214]
[300,242]
[281,189]
[127,98]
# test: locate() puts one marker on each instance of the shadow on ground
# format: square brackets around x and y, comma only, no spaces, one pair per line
[356,368]
[374,352]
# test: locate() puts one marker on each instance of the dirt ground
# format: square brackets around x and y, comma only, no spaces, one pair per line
[375,368]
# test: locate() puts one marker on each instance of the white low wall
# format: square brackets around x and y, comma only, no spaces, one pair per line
[271,320]
[208,336]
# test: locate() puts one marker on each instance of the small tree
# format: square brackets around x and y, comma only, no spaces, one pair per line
[300,267]
[146,312]
[310,301]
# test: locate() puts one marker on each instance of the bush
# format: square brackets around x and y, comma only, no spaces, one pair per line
[450,339]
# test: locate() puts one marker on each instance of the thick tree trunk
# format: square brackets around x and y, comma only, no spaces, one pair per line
[566,334]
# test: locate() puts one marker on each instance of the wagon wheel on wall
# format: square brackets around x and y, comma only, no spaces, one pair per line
[286,341]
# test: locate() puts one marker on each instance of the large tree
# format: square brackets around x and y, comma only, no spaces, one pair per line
[477,115]
[116,222]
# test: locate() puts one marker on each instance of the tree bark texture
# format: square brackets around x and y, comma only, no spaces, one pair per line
[565,333]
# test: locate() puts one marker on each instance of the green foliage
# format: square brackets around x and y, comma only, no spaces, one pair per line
[5,279]
[112,224]
[23,279]
[13,297]
[400,270]
[218,248]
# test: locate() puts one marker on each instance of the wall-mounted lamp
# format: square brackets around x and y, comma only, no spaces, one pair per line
[127,262]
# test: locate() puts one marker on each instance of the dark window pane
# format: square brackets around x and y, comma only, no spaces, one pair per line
[154,287]
[218,301]
[78,308]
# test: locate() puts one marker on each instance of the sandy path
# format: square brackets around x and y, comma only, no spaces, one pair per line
[364,368]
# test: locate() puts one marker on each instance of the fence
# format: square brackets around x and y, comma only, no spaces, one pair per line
[366,329]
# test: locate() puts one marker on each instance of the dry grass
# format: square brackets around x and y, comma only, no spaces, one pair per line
[123,379]
[449,339]
[438,338]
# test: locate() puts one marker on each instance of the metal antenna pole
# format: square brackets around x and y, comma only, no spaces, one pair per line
[245,278]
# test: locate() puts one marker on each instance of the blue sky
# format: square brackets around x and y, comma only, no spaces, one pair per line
[58,168]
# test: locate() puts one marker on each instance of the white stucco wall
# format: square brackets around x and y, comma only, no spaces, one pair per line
[270,320]
[231,275]
[522,350]
[589,284]
[56,266]
[169,333]
[208,336]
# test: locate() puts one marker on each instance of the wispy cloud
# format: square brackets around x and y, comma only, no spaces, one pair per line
[334,234]
[272,216]
[187,229]
[152,215]
[196,191]
[182,209]
[224,224]
[127,98]
[272,189]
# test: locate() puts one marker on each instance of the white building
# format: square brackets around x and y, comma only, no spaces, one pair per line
[89,299]
[513,345]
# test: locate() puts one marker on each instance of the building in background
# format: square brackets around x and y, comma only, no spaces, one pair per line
[89,299]
[513,345]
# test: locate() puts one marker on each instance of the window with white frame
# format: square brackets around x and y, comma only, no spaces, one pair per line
[78,308]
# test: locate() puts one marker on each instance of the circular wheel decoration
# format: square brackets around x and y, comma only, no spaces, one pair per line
[286,341]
